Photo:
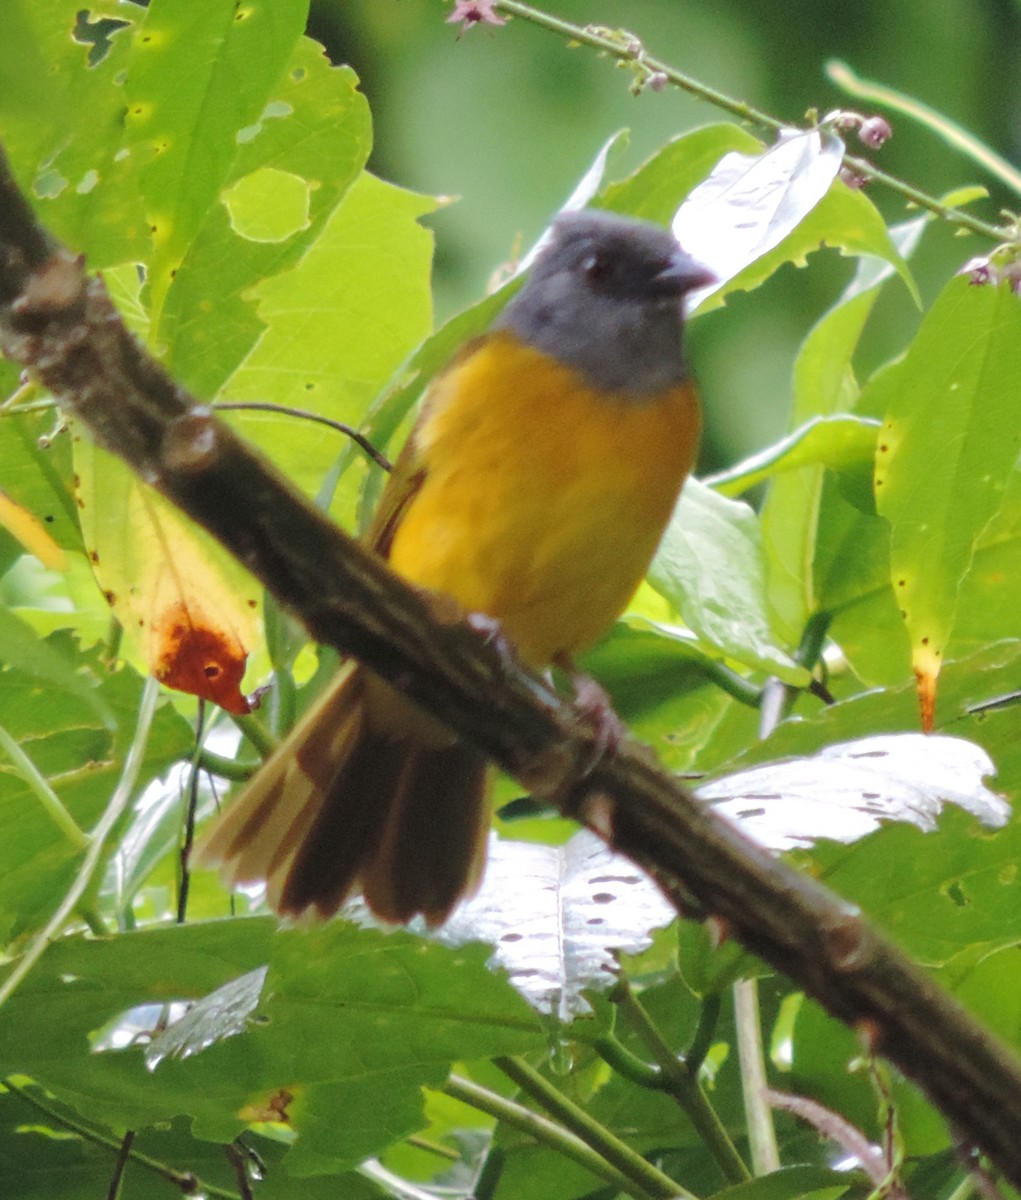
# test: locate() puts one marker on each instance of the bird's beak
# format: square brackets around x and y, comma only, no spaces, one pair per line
[683,274]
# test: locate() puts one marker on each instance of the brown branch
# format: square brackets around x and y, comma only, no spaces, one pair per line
[62,327]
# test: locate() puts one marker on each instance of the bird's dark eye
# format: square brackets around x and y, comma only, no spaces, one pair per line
[595,267]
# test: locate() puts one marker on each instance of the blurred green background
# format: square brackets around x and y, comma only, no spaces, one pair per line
[507,119]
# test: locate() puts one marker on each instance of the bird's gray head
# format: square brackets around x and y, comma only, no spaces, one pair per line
[606,297]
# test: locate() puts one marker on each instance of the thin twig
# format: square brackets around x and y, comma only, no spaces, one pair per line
[626,48]
[930,118]
[838,1129]
[304,414]
[191,805]
[114,1191]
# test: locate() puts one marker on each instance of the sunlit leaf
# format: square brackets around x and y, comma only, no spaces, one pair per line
[224,1013]
[200,71]
[36,473]
[337,325]
[188,610]
[556,914]
[655,190]
[847,790]
[750,203]
[313,130]
[30,532]
[824,386]
[87,192]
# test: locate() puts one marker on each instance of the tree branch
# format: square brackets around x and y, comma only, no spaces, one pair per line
[62,327]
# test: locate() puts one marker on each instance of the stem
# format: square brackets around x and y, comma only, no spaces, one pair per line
[234,769]
[431,1147]
[996,233]
[257,733]
[627,48]
[118,1167]
[641,1172]
[239,1166]
[708,1018]
[759,1116]
[40,787]
[185,1181]
[184,853]
[630,1066]
[683,1085]
[544,1131]
[97,840]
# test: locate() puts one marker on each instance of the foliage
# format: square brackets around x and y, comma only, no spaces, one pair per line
[206,157]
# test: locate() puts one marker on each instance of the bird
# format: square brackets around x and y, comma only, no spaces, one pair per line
[532,491]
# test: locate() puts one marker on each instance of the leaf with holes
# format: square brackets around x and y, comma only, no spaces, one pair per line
[556,915]
[845,791]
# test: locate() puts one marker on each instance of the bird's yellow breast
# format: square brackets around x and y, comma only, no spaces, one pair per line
[542,500]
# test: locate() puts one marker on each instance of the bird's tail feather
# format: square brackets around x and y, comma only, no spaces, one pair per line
[348,800]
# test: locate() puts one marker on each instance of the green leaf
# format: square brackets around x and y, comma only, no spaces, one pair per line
[201,70]
[37,473]
[350,1020]
[312,133]
[66,153]
[52,663]
[791,1183]
[24,91]
[837,441]
[987,609]
[369,274]
[655,190]
[844,219]
[824,386]
[852,578]
[937,893]
[710,567]
[42,1160]
[949,443]
[659,684]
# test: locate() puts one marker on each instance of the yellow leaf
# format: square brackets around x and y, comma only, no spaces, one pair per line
[31,533]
